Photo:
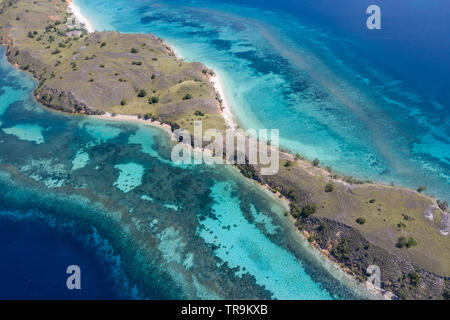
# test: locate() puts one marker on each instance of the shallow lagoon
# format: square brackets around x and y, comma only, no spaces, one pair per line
[166,226]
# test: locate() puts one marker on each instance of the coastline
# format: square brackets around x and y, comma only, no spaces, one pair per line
[305,169]
[312,170]
[79,16]
[336,270]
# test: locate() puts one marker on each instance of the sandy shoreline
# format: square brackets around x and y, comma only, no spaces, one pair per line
[215,80]
[79,16]
[226,110]
[135,119]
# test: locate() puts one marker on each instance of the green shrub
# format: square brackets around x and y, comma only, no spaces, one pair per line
[134,50]
[442,204]
[401,225]
[153,76]
[311,239]
[62,45]
[316,162]
[295,210]
[123,102]
[408,243]
[289,163]
[56,51]
[406,217]
[309,210]
[401,242]
[329,187]
[148,116]
[372,201]
[446,294]
[361,220]
[187,96]
[153,100]
[30,35]
[414,278]
[136,63]
[421,188]
[411,243]
[142,93]
[342,250]
[322,226]
[199,113]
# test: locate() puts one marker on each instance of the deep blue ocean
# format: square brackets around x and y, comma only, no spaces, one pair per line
[371,104]
[34,257]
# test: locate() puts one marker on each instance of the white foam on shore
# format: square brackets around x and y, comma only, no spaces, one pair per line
[226,111]
[77,13]
[217,82]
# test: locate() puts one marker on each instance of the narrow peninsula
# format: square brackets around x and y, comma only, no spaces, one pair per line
[355,223]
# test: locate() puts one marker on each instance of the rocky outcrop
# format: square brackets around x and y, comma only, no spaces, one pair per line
[348,247]
[63,101]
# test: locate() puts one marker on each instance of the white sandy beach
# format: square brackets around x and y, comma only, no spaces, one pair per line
[226,112]
[135,119]
[77,13]
[216,80]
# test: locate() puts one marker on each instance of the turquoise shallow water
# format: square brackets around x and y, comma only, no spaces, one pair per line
[369,106]
[164,231]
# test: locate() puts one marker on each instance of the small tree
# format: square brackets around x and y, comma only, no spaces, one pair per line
[401,242]
[361,220]
[153,100]
[142,93]
[421,188]
[316,162]
[414,278]
[329,187]
[309,210]
[148,116]
[187,96]
[123,102]
[411,243]
[289,163]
